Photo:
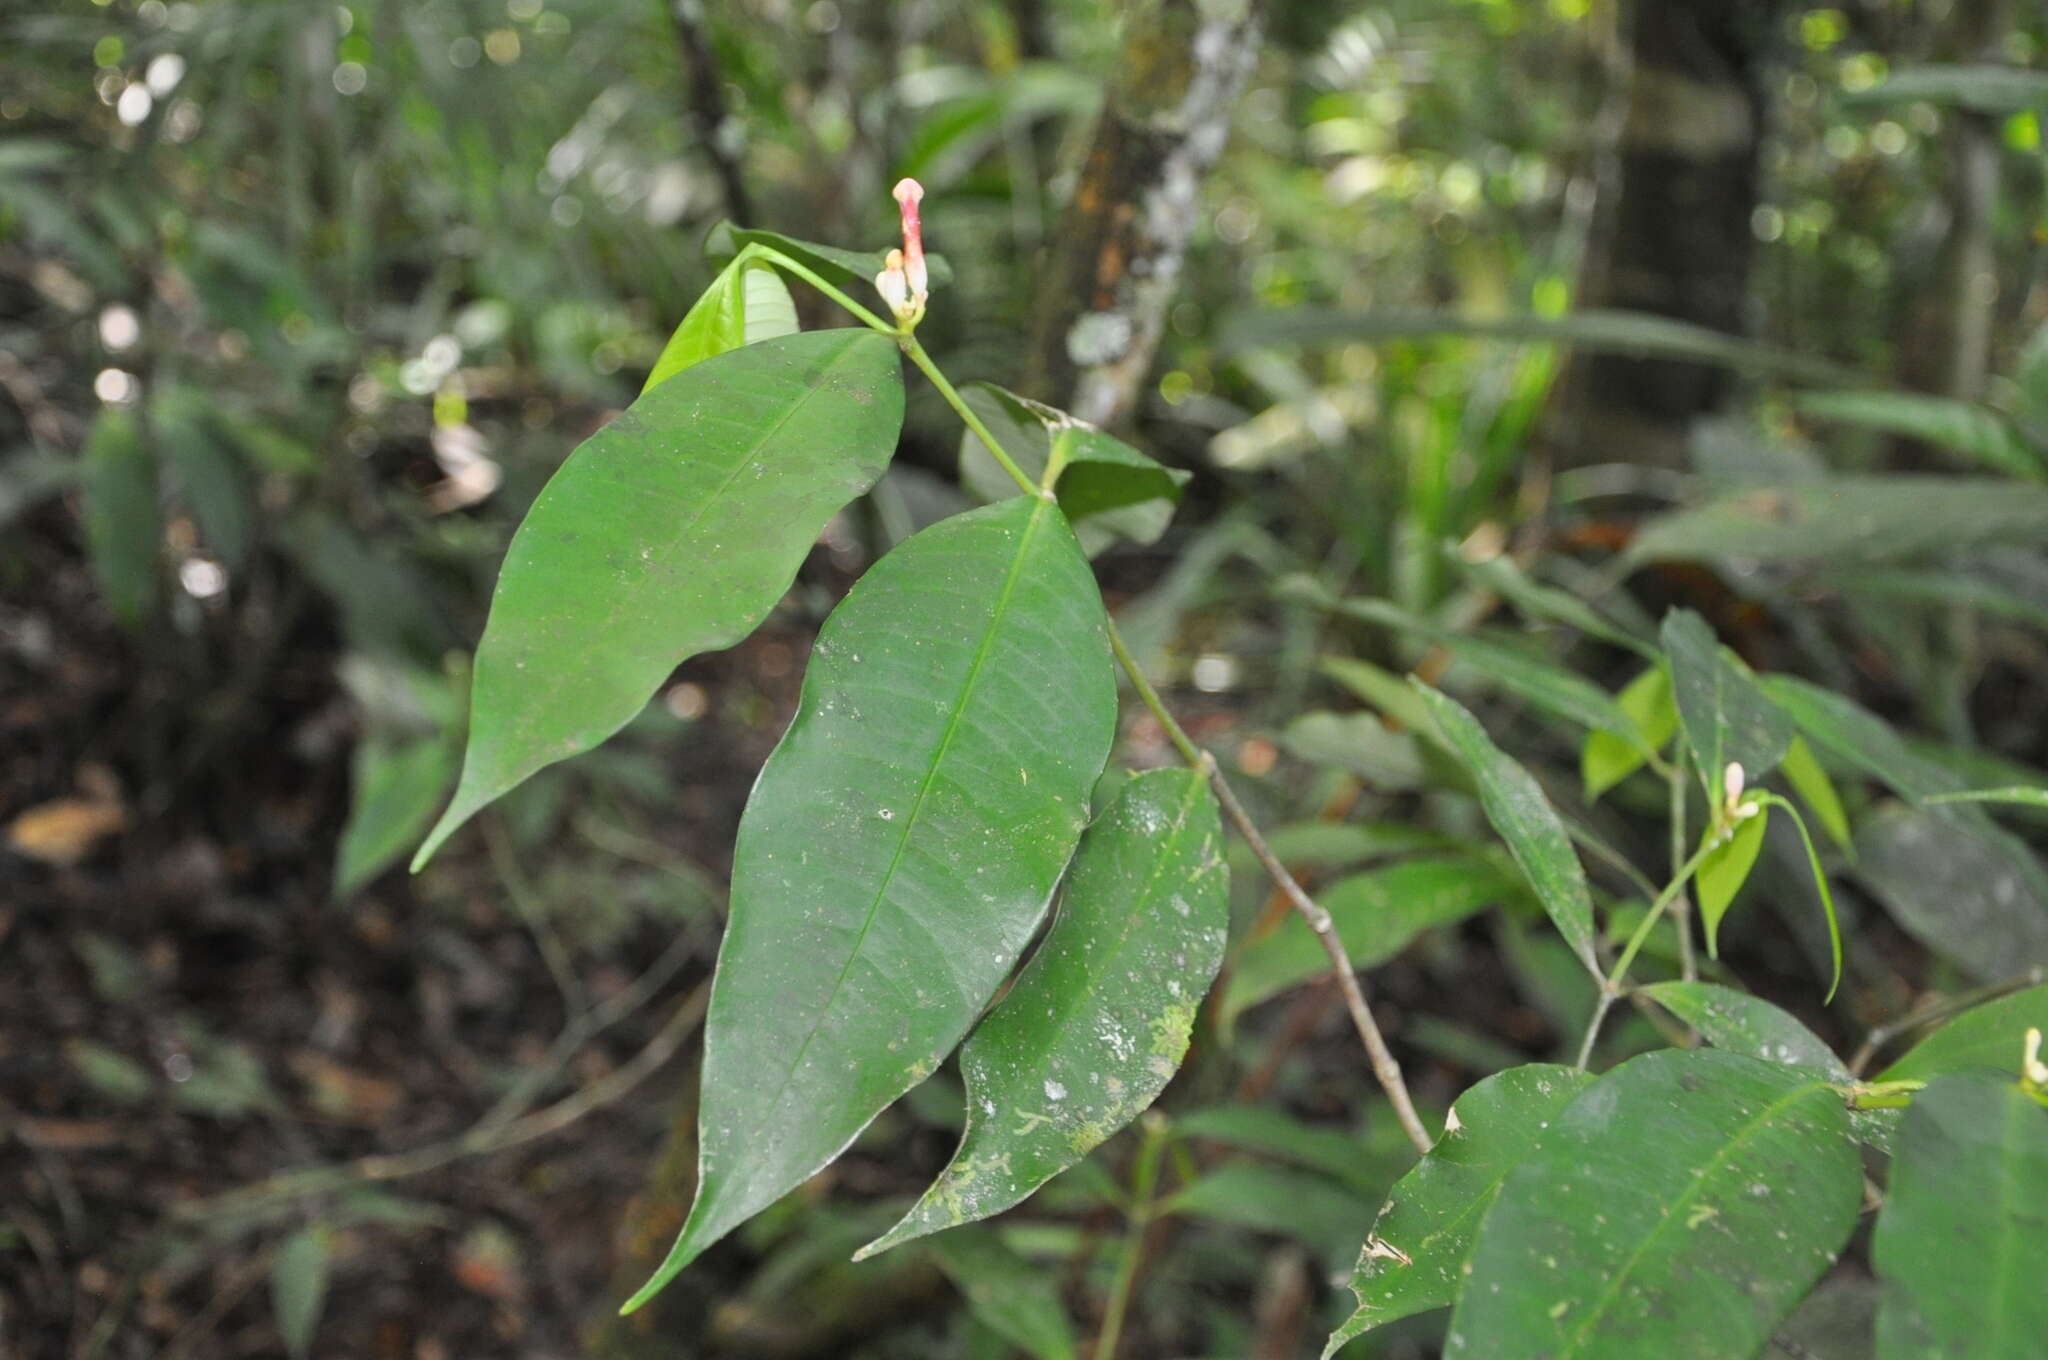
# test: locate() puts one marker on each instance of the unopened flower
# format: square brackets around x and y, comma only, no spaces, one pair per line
[904,283]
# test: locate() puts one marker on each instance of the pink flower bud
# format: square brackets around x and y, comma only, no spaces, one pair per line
[909,193]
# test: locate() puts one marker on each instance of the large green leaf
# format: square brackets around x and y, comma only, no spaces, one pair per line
[1109,490]
[1680,1208]
[1523,816]
[1957,892]
[1991,1035]
[1726,716]
[1964,1233]
[900,845]
[123,523]
[1377,914]
[1415,1257]
[1850,520]
[1096,1025]
[746,303]
[672,531]
[1742,1023]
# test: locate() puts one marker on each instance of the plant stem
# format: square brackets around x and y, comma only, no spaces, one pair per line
[810,276]
[1681,906]
[1938,1010]
[1613,989]
[915,351]
[1182,743]
[1144,1180]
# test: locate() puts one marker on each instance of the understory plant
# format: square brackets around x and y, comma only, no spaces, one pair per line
[944,787]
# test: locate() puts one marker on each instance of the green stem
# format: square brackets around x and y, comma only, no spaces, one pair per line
[1182,742]
[1618,974]
[810,276]
[915,351]
[1144,1180]
[1681,910]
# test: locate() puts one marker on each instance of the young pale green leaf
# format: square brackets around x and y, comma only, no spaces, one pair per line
[1523,816]
[298,1288]
[1018,1302]
[1724,870]
[1414,1259]
[1727,718]
[1606,759]
[1817,791]
[396,788]
[1109,490]
[746,303]
[1742,1023]
[672,531]
[1992,1035]
[123,523]
[1377,913]
[1098,1022]
[900,846]
[1680,1206]
[2021,795]
[207,471]
[1963,1236]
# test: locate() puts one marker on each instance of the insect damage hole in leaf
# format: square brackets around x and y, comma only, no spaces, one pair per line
[900,847]
[672,531]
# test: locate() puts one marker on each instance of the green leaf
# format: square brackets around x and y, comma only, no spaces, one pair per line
[1389,693]
[1954,890]
[2024,796]
[396,787]
[1992,1035]
[111,1074]
[900,846]
[1259,1128]
[1679,1207]
[1414,1259]
[208,472]
[1005,1291]
[1724,870]
[1727,717]
[1963,1236]
[1963,427]
[1358,743]
[1606,759]
[1097,1024]
[1377,913]
[123,524]
[1109,490]
[1271,1199]
[672,531]
[745,304]
[835,265]
[1813,786]
[1742,1023]
[1516,805]
[1844,521]
[1505,578]
[1987,88]
[298,1288]
[1339,845]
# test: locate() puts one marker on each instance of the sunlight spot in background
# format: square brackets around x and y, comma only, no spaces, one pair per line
[686,701]
[464,52]
[120,328]
[134,103]
[501,45]
[116,387]
[163,73]
[1214,673]
[351,77]
[201,578]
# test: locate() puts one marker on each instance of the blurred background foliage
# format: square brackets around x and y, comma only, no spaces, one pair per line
[300,304]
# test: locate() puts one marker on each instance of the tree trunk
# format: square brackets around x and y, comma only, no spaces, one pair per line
[1116,260]
[1683,188]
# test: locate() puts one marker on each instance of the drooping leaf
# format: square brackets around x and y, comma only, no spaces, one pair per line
[1845,521]
[1109,490]
[1742,1023]
[1004,1291]
[1378,913]
[1957,892]
[1723,872]
[298,1288]
[1992,1035]
[744,304]
[1962,427]
[1606,759]
[1681,1206]
[1726,716]
[1523,816]
[900,846]
[1098,1022]
[123,524]
[395,790]
[1963,1235]
[853,270]
[208,472]
[1813,786]
[672,531]
[1414,1258]
[2021,795]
